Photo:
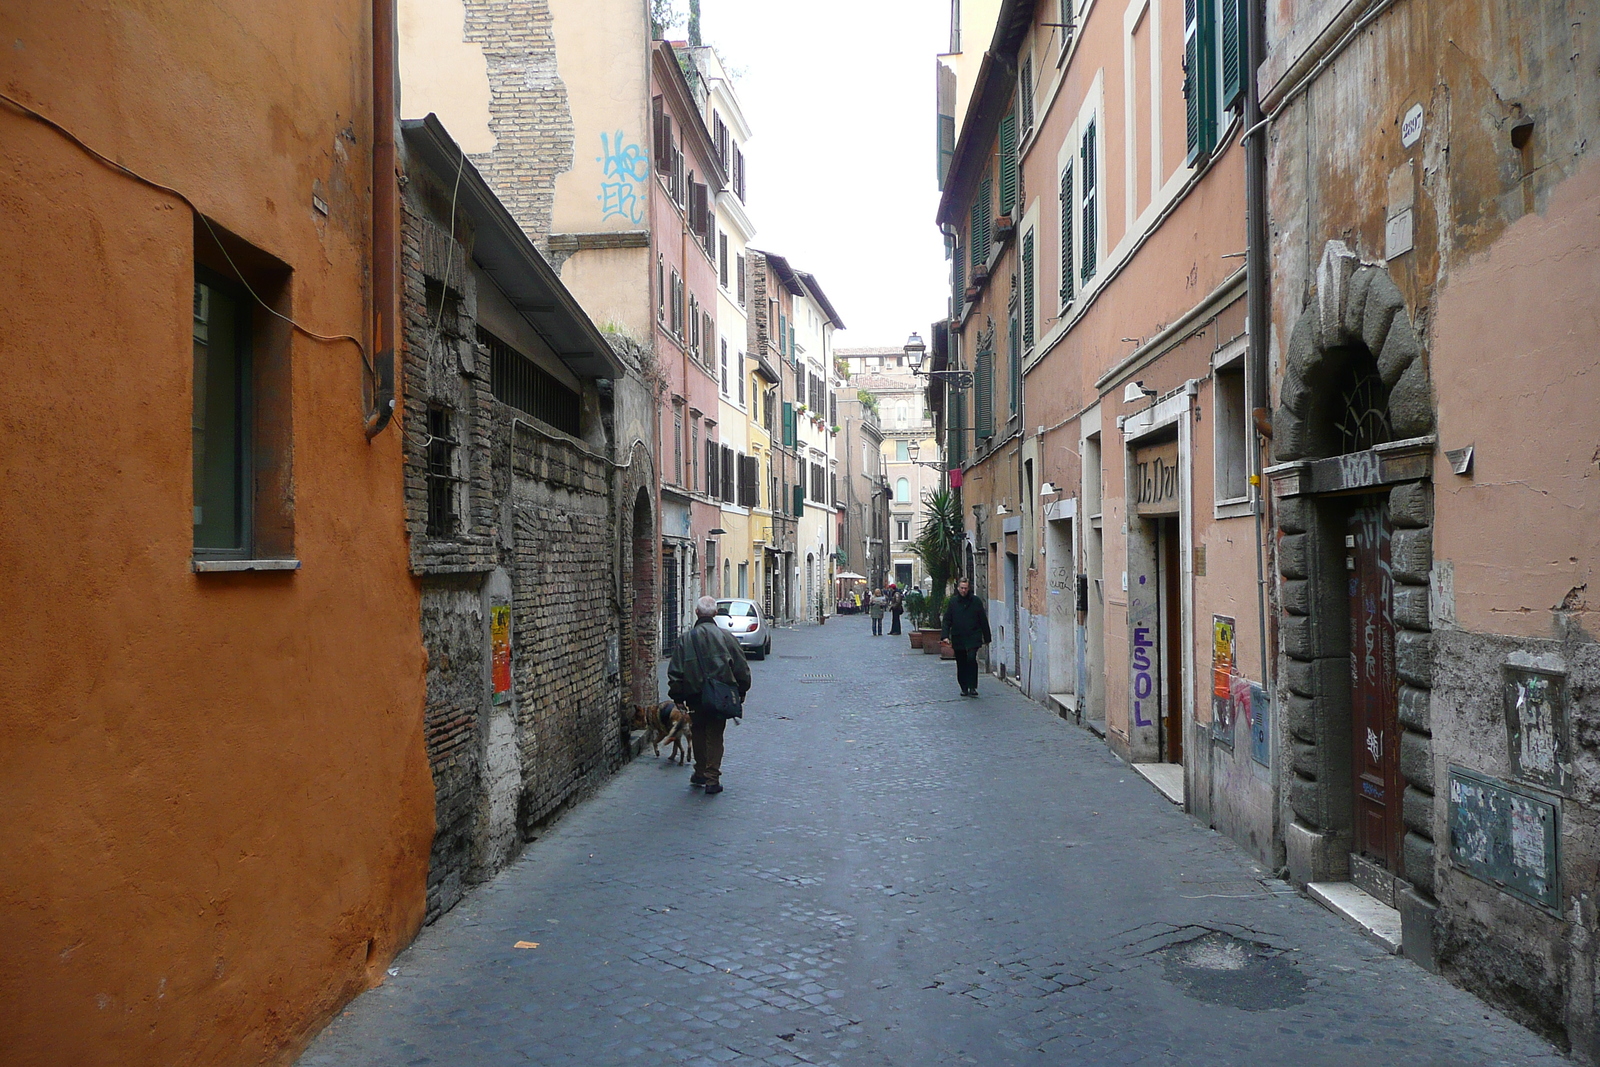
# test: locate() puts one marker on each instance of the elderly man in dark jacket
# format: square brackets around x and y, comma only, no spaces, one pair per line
[966,627]
[704,652]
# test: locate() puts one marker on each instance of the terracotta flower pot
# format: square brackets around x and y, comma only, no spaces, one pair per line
[930,642]
[916,638]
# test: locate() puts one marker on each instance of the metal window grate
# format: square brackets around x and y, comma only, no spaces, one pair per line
[517,380]
[441,474]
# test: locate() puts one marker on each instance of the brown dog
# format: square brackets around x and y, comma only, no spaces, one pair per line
[668,725]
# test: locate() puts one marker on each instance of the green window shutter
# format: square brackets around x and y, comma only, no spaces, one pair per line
[983,388]
[980,236]
[799,499]
[1025,90]
[1199,78]
[1068,202]
[1014,367]
[1027,293]
[958,282]
[788,424]
[1087,161]
[1008,164]
[1233,51]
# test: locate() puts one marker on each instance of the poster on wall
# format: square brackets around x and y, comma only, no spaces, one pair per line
[500,650]
[1223,673]
[1505,836]
[1536,727]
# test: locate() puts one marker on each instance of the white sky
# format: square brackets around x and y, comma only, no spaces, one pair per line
[839,95]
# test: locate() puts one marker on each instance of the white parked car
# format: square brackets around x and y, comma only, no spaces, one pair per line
[744,620]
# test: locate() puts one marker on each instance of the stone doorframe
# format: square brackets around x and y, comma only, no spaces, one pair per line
[1356,305]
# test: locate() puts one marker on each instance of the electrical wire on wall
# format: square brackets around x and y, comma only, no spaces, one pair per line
[129,172]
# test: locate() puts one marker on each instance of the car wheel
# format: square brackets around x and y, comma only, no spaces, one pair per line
[766,650]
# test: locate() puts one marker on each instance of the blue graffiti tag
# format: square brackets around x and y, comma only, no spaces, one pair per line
[623,168]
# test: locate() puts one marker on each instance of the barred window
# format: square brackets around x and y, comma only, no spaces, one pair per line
[523,384]
[442,478]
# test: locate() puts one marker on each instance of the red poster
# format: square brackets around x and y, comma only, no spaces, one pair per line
[500,650]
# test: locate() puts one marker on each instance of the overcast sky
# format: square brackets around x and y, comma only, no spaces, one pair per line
[839,95]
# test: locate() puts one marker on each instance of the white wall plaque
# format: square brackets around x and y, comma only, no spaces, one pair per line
[1411,126]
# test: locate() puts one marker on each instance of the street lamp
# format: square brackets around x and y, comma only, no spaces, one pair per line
[914,450]
[915,350]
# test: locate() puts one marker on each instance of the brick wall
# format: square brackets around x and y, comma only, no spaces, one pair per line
[528,111]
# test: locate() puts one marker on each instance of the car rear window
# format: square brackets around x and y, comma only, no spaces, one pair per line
[738,609]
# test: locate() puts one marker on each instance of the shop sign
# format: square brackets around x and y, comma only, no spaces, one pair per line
[1155,479]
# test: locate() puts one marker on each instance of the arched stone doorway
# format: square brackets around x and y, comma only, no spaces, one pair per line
[1353,503]
[642,613]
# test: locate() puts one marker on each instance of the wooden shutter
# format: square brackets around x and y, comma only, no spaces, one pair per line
[833,410]
[1234,30]
[799,500]
[1025,90]
[981,233]
[749,482]
[1199,79]
[983,387]
[1013,366]
[788,424]
[1087,159]
[1008,164]
[662,127]
[729,486]
[738,172]
[713,470]
[697,208]
[1027,292]
[958,282]
[739,271]
[1068,203]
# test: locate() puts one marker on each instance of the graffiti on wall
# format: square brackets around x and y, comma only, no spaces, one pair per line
[1223,675]
[1143,676]
[500,650]
[624,166]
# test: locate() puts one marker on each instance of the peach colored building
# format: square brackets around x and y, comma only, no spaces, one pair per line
[217,793]
[1433,203]
[1094,210]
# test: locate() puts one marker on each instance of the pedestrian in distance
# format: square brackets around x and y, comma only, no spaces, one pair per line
[966,627]
[875,608]
[897,605]
[710,675]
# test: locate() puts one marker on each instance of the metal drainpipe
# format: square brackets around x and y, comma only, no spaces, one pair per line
[1258,296]
[385,216]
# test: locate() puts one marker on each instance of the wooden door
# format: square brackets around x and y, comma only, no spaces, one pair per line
[1171,645]
[1374,687]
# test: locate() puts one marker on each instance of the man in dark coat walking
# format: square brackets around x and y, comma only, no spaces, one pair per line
[706,651]
[966,627]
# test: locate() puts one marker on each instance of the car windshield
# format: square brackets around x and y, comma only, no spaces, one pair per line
[738,609]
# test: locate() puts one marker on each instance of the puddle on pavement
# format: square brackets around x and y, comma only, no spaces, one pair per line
[1219,968]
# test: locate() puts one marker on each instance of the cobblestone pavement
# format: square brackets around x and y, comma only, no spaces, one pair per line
[898,876]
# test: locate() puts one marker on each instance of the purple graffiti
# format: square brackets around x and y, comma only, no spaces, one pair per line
[1143,684]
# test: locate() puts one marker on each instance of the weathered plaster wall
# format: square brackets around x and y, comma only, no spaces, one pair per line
[217,793]
[443,73]
[1515,366]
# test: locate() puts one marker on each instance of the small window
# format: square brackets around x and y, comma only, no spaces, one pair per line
[722,258]
[442,480]
[221,424]
[902,529]
[902,491]
[902,451]
[724,365]
[1232,430]
[241,411]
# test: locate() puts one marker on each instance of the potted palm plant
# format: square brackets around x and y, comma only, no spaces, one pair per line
[916,607]
[939,544]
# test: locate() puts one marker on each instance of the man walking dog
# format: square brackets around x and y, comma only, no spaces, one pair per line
[709,673]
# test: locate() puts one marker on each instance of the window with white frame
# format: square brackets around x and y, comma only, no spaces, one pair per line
[1231,424]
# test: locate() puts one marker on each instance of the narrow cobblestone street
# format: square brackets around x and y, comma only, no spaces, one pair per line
[897,876]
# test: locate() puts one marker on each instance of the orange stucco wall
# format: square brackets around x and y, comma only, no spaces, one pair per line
[217,799]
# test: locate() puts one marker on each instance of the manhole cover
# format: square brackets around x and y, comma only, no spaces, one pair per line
[1222,969]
